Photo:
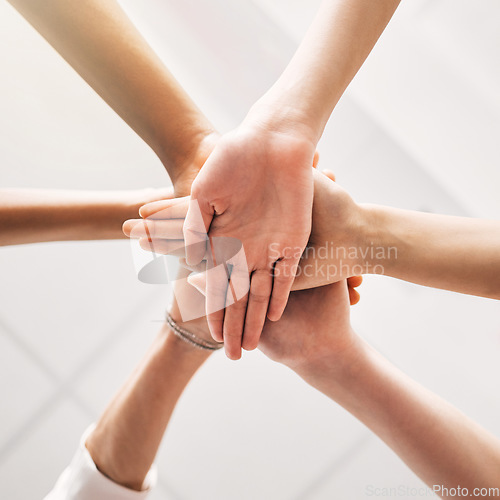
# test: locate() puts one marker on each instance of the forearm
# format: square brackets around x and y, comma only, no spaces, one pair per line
[453,253]
[440,444]
[334,48]
[127,436]
[37,215]
[99,41]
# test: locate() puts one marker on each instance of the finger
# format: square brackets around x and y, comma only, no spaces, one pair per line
[163,247]
[216,290]
[261,284]
[175,208]
[198,219]
[200,268]
[354,296]
[199,281]
[129,225]
[154,229]
[234,321]
[236,304]
[329,174]
[283,277]
[315,159]
[148,245]
[355,281]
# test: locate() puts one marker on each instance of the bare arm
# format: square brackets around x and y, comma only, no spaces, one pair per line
[37,215]
[347,239]
[440,444]
[257,185]
[128,434]
[441,251]
[454,253]
[336,45]
[100,42]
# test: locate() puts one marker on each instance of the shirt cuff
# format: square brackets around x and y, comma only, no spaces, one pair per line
[81,480]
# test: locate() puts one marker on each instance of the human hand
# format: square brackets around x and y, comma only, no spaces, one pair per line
[314,329]
[337,240]
[188,307]
[314,326]
[134,199]
[256,187]
[336,219]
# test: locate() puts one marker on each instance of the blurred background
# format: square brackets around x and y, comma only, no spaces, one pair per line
[417,129]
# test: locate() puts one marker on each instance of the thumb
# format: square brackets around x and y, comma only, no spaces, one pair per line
[315,159]
[199,281]
[330,175]
[198,219]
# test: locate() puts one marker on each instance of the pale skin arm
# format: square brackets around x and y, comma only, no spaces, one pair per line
[347,239]
[454,253]
[439,443]
[126,439]
[441,251]
[38,215]
[99,41]
[336,45]
[128,434]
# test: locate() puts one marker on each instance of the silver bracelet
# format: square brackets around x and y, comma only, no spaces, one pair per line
[191,338]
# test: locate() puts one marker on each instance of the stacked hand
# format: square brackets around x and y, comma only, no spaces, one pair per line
[255,187]
[160,231]
[314,325]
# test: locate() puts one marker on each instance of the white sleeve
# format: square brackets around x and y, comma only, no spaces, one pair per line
[82,481]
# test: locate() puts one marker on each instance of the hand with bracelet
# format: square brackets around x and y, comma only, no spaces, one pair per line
[115,458]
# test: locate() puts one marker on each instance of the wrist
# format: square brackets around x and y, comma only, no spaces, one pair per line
[381,249]
[334,371]
[283,116]
[185,352]
[348,239]
[189,163]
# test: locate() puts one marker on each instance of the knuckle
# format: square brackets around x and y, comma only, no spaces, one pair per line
[259,297]
[239,306]
[261,275]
